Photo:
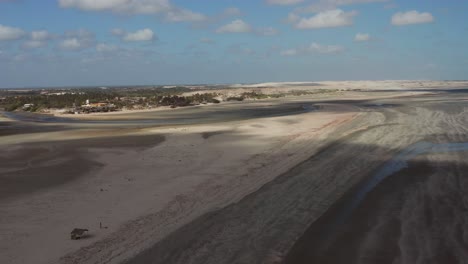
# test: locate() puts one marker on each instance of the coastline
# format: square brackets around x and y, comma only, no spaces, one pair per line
[276,171]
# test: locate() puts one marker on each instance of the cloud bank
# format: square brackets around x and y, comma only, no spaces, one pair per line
[411,17]
[360,37]
[170,12]
[284,2]
[236,26]
[10,33]
[326,19]
[313,48]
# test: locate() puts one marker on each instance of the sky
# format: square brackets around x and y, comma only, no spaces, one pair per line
[153,42]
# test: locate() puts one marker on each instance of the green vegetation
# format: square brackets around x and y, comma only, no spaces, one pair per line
[254,95]
[136,98]
[122,97]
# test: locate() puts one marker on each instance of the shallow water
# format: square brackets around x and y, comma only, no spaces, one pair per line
[181,117]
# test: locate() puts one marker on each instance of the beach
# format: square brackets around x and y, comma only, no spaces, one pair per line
[229,183]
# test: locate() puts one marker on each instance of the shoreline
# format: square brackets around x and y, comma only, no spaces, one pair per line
[318,98]
[389,86]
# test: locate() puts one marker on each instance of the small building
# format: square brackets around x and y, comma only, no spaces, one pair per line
[27,106]
[95,107]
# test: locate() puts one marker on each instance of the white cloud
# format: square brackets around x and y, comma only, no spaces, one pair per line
[147,7]
[313,48]
[411,17]
[239,26]
[40,35]
[362,37]
[71,44]
[10,33]
[207,21]
[323,5]
[184,15]
[236,26]
[37,39]
[140,35]
[284,2]
[77,40]
[327,19]
[120,6]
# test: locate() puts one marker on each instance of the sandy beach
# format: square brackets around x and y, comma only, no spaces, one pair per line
[55,181]
[213,184]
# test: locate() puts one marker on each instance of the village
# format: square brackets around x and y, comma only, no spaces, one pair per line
[93,107]
[94,100]
[112,99]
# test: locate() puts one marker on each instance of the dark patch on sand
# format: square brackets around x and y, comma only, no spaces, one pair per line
[207,135]
[14,128]
[37,166]
[143,141]
[31,179]
[372,234]
[289,121]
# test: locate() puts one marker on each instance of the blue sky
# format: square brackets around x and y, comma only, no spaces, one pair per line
[124,42]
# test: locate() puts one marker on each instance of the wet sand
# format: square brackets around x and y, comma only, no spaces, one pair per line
[37,166]
[336,231]
[400,221]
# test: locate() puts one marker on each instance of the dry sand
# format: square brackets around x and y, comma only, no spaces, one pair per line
[336,89]
[241,191]
[395,85]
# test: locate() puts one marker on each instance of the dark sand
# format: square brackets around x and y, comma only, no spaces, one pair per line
[335,238]
[36,166]
[12,128]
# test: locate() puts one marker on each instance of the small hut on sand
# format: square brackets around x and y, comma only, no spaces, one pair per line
[78,233]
